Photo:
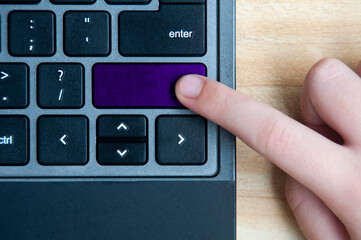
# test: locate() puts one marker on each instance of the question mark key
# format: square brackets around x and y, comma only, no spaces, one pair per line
[60,85]
[61,75]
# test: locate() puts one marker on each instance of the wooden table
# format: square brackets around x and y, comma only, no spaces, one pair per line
[278,41]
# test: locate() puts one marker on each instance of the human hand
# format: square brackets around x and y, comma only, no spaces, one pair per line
[322,157]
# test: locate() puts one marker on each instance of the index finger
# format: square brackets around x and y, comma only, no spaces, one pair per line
[304,154]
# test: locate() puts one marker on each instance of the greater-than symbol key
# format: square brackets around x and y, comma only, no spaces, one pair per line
[4,75]
[13,85]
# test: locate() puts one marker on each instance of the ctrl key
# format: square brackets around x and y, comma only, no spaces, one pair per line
[13,140]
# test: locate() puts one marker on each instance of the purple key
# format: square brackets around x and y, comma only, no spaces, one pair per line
[139,85]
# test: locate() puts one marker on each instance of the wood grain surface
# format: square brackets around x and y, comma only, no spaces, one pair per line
[278,41]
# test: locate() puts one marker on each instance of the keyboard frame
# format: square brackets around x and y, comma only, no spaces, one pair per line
[219,60]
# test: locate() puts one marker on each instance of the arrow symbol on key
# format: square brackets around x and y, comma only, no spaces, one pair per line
[122,126]
[4,75]
[122,153]
[62,140]
[182,139]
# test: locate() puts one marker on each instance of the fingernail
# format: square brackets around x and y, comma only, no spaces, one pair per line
[190,86]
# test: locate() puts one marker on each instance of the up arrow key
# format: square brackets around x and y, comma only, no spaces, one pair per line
[122,126]
[4,75]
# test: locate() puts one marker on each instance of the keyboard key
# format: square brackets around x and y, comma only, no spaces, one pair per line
[13,85]
[60,85]
[72,1]
[14,140]
[31,33]
[139,85]
[19,1]
[127,1]
[175,30]
[87,33]
[122,127]
[122,153]
[63,140]
[181,140]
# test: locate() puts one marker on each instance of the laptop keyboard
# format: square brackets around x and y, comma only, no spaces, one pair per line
[87,88]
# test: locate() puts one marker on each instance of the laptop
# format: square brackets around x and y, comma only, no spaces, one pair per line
[93,141]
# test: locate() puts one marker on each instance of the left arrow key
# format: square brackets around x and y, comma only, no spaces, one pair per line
[62,139]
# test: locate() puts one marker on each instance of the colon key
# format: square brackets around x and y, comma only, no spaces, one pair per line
[31,33]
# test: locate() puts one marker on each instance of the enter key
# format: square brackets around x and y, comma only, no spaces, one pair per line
[175,30]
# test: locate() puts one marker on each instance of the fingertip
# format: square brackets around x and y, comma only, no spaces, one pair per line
[324,70]
[189,86]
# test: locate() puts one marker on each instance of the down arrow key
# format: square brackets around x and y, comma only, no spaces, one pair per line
[122,154]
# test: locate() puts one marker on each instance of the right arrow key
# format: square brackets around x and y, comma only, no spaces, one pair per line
[181,140]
